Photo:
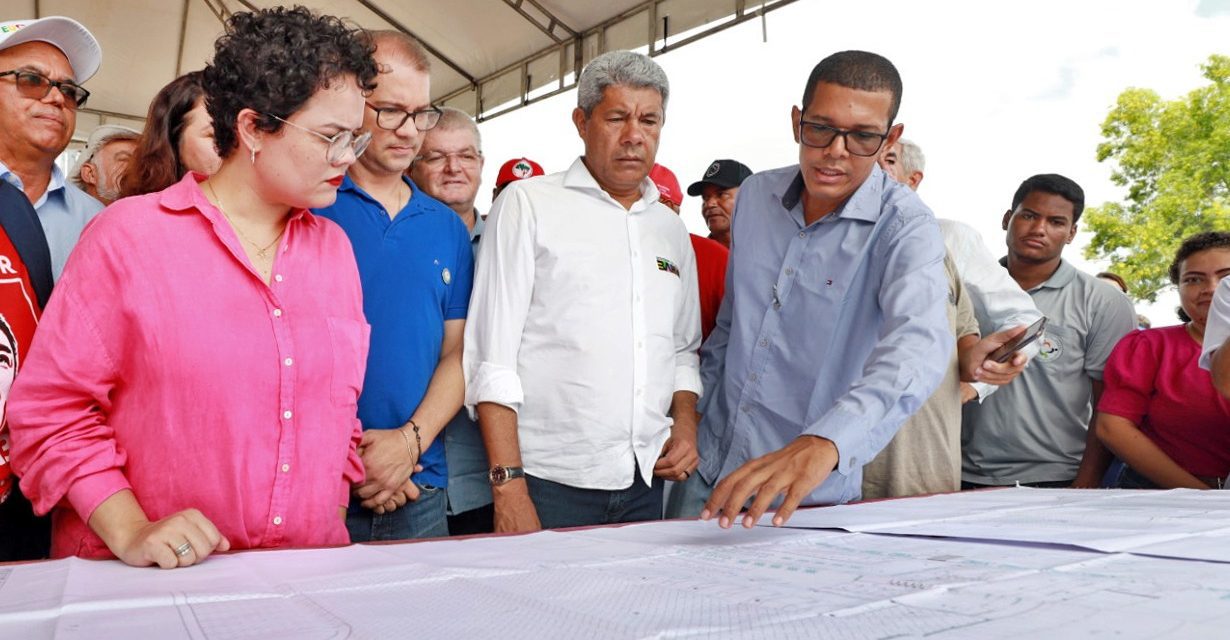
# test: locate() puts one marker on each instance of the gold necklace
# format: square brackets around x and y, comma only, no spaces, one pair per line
[261,252]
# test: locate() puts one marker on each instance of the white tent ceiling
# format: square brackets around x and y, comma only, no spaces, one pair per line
[490,56]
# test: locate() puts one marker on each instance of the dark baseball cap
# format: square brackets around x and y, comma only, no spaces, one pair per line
[721,173]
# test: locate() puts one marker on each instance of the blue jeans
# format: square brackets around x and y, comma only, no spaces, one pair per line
[560,505]
[423,518]
[688,498]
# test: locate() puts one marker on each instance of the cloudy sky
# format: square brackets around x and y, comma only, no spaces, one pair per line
[993,93]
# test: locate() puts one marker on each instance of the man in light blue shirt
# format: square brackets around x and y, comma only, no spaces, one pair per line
[42,66]
[834,328]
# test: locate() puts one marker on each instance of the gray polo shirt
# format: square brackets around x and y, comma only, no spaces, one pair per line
[1033,430]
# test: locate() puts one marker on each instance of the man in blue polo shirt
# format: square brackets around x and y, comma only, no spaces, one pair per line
[416,267]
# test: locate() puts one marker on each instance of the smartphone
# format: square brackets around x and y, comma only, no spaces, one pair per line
[1032,333]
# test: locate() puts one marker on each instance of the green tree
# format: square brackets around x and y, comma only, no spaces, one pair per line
[1174,159]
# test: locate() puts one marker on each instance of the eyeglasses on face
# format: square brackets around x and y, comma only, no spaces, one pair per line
[859,143]
[37,86]
[339,142]
[392,118]
[468,158]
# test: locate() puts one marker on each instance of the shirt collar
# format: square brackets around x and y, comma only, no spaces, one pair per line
[187,194]
[479,225]
[56,182]
[1058,280]
[865,204]
[579,177]
[415,198]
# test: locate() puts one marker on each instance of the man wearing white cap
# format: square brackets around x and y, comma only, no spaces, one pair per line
[42,66]
[102,164]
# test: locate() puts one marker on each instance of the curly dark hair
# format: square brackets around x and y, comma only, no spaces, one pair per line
[156,164]
[273,60]
[1202,241]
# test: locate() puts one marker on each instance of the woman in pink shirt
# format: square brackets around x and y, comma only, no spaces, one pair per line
[1159,411]
[194,381]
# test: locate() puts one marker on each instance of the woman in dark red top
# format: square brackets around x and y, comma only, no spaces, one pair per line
[1159,411]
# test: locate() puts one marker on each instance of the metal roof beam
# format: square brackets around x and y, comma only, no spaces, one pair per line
[549,28]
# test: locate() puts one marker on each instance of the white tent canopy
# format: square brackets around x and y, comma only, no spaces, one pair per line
[490,56]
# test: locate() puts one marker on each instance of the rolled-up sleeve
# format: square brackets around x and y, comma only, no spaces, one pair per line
[499,304]
[914,346]
[62,446]
[1218,329]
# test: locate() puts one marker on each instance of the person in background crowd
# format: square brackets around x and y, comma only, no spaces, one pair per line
[834,329]
[1114,279]
[719,187]
[999,303]
[23,295]
[178,138]
[103,162]
[194,384]
[513,170]
[449,168]
[710,255]
[43,64]
[417,265]
[1036,431]
[581,359]
[1159,412]
[904,162]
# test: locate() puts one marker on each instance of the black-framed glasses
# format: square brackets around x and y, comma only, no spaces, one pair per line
[338,143]
[36,86]
[392,118]
[859,143]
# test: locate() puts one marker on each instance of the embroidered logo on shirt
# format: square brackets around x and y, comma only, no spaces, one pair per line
[1050,348]
[667,266]
[446,276]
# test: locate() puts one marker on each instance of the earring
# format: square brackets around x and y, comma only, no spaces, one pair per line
[253,155]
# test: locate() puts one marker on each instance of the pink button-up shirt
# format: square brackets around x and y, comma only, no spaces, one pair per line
[164,364]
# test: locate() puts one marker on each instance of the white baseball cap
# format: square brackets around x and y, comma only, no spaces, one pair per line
[69,36]
[99,139]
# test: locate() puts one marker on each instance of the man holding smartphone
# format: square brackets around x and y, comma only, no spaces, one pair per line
[1035,431]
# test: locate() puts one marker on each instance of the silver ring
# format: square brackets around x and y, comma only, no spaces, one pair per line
[183,549]
[686,474]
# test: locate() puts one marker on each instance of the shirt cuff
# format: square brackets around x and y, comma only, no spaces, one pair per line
[848,432]
[87,492]
[984,390]
[494,383]
[687,378]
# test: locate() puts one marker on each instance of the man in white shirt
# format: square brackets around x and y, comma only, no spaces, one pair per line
[1213,356]
[580,352]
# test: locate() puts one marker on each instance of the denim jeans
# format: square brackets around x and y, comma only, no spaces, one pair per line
[423,518]
[560,505]
[688,498]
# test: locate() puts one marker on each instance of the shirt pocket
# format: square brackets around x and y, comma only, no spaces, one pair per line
[348,340]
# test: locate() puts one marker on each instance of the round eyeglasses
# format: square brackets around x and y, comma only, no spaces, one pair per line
[339,142]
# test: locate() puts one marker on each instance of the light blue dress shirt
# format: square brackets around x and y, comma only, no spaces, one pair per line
[63,211]
[836,329]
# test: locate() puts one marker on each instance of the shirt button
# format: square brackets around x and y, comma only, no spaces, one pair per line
[789,271]
[289,361]
[287,414]
[753,377]
[277,520]
[638,392]
[277,313]
[744,409]
[764,342]
[285,468]
[802,235]
[277,278]
[640,345]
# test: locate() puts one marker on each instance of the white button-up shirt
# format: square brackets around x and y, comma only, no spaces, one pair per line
[585,320]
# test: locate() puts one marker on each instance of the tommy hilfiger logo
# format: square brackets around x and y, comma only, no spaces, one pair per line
[667,266]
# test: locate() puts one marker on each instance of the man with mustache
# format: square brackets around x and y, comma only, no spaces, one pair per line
[580,355]
[718,189]
[416,266]
[43,64]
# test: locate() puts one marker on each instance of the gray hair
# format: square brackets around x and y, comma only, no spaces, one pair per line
[619,68]
[452,118]
[911,157]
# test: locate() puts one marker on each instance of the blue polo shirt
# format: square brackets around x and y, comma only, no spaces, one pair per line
[416,270]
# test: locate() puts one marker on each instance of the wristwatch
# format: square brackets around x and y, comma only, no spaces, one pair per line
[500,474]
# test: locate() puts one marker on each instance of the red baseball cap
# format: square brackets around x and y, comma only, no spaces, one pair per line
[517,169]
[668,184]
